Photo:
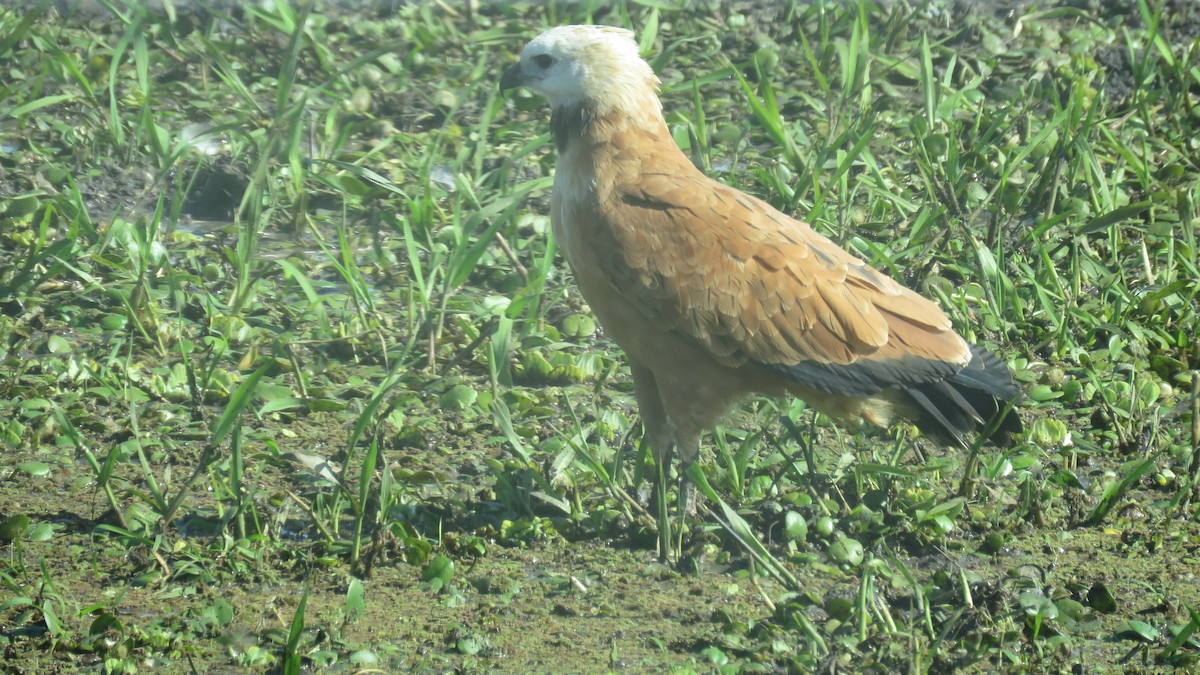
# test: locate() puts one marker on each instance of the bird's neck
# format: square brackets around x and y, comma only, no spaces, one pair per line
[633,137]
[593,122]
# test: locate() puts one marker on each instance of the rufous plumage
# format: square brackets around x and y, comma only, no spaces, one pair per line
[714,294]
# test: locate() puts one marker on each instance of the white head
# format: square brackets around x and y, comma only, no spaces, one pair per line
[594,66]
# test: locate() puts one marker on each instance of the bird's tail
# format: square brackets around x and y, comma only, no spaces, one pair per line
[978,398]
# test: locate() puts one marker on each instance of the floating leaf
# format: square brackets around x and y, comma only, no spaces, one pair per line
[846,551]
[458,398]
[1101,599]
[578,325]
[469,644]
[13,528]
[58,345]
[795,527]
[438,572]
[39,469]
[1139,630]
[1047,433]
[43,532]
[1042,393]
[103,623]
[114,322]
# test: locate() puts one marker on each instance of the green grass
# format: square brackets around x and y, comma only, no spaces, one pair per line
[359,417]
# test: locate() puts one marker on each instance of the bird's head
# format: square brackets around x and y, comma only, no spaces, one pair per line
[597,67]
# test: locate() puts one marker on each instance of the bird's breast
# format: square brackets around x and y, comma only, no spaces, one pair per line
[573,197]
[579,231]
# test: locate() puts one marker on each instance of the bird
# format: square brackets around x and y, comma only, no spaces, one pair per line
[713,294]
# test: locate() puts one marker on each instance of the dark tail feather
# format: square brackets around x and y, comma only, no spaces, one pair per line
[969,402]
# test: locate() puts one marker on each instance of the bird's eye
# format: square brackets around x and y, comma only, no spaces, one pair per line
[543,61]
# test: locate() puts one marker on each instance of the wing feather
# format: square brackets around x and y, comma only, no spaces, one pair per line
[753,285]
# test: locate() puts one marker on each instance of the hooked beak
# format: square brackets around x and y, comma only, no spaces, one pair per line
[511,78]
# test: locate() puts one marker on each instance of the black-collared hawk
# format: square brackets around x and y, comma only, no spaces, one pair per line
[714,294]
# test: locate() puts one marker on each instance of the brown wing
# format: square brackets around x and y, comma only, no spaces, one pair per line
[753,285]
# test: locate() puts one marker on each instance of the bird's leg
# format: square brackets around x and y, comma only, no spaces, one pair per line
[687,447]
[662,462]
[667,438]
[658,433]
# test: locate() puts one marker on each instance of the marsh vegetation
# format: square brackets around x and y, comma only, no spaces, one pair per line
[291,377]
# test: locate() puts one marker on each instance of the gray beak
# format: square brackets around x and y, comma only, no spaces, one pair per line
[511,78]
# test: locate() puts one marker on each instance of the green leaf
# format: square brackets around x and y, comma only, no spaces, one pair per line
[438,573]
[1183,634]
[114,322]
[58,345]
[356,604]
[39,469]
[38,104]
[222,611]
[1035,603]
[1042,393]
[459,397]
[53,624]
[1101,222]
[103,623]
[16,601]
[291,650]
[283,403]
[43,532]
[1141,630]
[795,527]
[239,401]
[578,325]
[469,644]
[502,417]
[13,528]
[365,657]
[1112,494]
[1101,599]
[846,551]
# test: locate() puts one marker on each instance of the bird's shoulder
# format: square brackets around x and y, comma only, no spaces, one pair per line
[685,213]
